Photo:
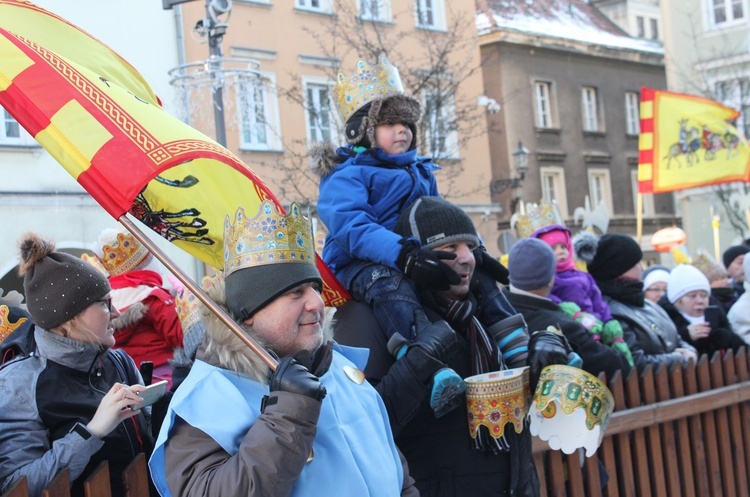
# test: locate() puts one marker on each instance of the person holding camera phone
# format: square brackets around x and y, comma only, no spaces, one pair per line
[68,403]
[687,303]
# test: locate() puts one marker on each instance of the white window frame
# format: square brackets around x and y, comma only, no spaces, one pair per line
[23,138]
[648,198]
[553,187]
[640,27]
[271,124]
[316,133]
[436,11]
[447,114]
[654,27]
[600,188]
[323,6]
[543,104]
[589,109]
[713,7]
[375,10]
[632,113]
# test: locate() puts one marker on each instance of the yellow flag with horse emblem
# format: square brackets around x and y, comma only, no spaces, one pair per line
[687,141]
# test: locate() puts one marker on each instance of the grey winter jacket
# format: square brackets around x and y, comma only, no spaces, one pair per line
[29,446]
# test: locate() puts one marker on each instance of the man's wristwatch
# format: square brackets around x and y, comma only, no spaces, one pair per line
[82,431]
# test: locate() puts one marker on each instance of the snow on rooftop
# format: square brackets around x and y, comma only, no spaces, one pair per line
[567,20]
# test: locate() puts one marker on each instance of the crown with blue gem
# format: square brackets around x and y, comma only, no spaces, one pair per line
[368,83]
[268,238]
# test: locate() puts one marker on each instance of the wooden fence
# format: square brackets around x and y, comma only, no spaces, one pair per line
[675,432]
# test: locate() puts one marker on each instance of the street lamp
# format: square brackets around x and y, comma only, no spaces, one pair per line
[521,158]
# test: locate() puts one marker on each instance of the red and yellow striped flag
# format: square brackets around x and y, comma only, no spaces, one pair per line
[687,141]
[97,116]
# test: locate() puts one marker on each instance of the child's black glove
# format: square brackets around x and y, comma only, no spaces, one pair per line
[548,347]
[490,265]
[425,266]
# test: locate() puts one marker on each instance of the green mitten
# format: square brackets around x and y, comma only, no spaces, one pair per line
[592,324]
[612,336]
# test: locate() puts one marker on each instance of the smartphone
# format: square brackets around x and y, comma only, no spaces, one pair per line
[712,316]
[151,394]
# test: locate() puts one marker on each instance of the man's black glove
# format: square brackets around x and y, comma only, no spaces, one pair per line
[291,376]
[490,265]
[425,266]
[547,347]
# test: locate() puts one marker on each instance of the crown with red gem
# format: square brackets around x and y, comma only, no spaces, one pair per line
[122,253]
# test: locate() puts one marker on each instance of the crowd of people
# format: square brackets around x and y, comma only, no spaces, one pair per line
[371,402]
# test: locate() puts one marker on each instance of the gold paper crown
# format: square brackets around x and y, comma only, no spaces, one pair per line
[6,326]
[124,254]
[187,304]
[368,83]
[532,217]
[712,269]
[268,238]
[96,262]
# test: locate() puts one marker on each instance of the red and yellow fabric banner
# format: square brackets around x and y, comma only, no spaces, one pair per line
[97,116]
[687,141]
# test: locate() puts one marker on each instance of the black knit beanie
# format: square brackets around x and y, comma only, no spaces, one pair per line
[615,255]
[732,253]
[58,286]
[434,221]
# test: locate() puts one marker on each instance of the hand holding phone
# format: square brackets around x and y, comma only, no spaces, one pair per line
[711,314]
[151,394]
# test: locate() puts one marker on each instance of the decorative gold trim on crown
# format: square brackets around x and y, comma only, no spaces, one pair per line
[709,267]
[368,83]
[96,262]
[531,217]
[124,255]
[268,238]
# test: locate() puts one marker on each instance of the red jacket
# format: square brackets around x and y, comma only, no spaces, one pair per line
[149,328]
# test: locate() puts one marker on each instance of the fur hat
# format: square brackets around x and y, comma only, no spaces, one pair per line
[391,109]
[58,286]
[531,264]
[615,255]
[584,245]
[684,279]
[434,222]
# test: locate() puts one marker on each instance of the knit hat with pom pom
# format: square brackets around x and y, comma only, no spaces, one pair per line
[58,286]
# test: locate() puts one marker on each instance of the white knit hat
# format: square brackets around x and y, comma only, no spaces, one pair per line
[684,279]
[655,276]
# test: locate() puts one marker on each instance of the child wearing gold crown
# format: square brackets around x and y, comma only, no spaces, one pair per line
[364,187]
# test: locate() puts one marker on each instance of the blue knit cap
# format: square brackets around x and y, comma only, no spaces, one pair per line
[531,264]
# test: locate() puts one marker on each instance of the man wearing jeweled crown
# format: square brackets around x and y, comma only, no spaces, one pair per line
[364,186]
[313,427]
[148,328]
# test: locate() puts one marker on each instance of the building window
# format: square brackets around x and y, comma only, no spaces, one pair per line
[640,26]
[318,116]
[736,94]
[590,112]
[259,114]
[543,101]
[315,5]
[654,29]
[430,14]
[648,198]
[726,11]
[10,132]
[600,189]
[553,187]
[632,116]
[375,10]
[441,132]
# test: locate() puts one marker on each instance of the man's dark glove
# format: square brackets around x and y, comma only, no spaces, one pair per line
[291,376]
[425,266]
[547,347]
[490,265]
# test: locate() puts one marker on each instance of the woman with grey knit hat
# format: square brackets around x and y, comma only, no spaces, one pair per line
[68,403]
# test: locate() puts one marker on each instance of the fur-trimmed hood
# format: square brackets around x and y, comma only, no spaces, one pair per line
[130,316]
[323,158]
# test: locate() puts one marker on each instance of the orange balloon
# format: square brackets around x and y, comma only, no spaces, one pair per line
[664,239]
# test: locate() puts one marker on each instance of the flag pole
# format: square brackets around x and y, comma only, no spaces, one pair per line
[715,228]
[199,293]
[639,218]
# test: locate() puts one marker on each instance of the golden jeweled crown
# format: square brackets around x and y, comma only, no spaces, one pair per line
[531,217]
[123,255]
[368,83]
[268,238]
[709,267]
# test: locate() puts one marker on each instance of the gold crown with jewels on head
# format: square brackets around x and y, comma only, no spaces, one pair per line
[531,217]
[123,254]
[268,238]
[368,83]
[709,267]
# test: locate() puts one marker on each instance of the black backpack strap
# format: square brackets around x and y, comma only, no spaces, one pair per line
[125,366]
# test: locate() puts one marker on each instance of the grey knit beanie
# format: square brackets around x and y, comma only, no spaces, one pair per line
[434,222]
[58,286]
[531,264]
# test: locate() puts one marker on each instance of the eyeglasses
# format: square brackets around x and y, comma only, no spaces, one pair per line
[656,290]
[107,302]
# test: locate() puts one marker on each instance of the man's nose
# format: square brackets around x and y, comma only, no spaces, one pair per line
[463,254]
[313,300]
